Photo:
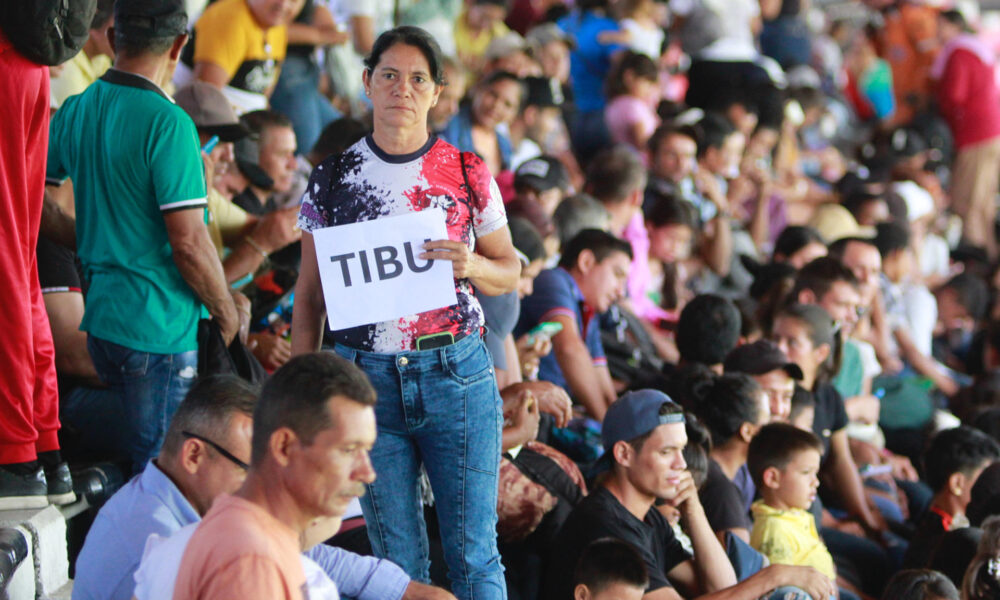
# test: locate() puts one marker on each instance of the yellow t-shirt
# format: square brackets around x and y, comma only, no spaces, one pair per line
[77,73]
[789,537]
[471,47]
[227,35]
[224,218]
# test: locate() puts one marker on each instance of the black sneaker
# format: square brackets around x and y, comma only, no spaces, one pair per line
[60,484]
[23,491]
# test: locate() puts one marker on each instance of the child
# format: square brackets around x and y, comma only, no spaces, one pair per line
[784,461]
[610,569]
[633,95]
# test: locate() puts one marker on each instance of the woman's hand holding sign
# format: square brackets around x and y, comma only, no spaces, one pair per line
[463,261]
[492,267]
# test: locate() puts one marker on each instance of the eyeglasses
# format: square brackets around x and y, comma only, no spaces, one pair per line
[225,453]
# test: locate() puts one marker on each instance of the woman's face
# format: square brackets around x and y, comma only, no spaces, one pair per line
[496,103]
[792,337]
[401,88]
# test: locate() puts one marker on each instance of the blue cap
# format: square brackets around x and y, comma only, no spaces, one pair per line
[637,413]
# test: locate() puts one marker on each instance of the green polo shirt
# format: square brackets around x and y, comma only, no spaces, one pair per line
[133,155]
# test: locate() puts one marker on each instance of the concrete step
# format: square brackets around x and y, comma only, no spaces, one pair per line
[45,571]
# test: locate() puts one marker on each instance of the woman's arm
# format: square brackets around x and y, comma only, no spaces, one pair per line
[493,268]
[309,311]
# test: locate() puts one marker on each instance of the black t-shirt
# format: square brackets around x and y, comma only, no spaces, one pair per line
[930,532]
[305,17]
[722,501]
[57,269]
[601,515]
[831,416]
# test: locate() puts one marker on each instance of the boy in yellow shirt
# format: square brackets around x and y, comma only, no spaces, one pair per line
[784,461]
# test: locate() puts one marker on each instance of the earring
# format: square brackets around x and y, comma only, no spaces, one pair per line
[956,491]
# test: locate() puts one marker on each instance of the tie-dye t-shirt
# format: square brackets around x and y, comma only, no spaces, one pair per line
[365,183]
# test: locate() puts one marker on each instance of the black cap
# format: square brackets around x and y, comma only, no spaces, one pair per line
[151,18]
[542,174]
[544,92]
[758,358]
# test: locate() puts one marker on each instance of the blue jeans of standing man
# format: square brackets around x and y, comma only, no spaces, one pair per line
[297,96]
[150,386]
[441,408]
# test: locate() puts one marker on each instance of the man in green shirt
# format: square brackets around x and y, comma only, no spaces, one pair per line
[137,171]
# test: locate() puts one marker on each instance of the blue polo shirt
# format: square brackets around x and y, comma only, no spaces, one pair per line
[556,293]
[133,155]
[152,503]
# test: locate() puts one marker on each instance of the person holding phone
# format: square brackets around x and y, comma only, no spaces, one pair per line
[438,403]
[590,278]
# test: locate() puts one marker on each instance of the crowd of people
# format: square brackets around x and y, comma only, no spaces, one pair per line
[726,320]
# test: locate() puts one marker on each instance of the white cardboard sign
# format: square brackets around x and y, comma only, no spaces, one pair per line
[371,272]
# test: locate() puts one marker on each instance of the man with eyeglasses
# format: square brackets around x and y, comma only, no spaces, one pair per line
[206,454]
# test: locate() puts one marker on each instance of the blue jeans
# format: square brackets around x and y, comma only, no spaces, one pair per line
[297,96]
[441,408]
[150,387]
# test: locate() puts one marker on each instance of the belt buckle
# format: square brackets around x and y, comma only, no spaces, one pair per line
[435,340]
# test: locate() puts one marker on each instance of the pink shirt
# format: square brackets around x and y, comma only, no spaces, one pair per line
[639,276]
[625,111]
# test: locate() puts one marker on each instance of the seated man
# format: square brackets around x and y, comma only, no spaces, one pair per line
[265,161]
[312,431]
[204,455]
[644,437]
[240,45]
[590,278]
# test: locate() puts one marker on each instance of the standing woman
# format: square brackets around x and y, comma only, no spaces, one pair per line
[438,402]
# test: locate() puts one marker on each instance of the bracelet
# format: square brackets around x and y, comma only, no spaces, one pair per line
[253,244]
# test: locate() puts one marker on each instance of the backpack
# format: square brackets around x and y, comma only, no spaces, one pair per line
[48,32]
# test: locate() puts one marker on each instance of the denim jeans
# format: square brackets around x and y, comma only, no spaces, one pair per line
[441,408]
[297,96]
[150,387]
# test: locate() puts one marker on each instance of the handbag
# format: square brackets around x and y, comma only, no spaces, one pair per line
[215,358]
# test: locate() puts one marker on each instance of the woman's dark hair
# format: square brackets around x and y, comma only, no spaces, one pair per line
[732,400]
[920,584]
[641,66]
[411,36]
[794,238]
[698,447]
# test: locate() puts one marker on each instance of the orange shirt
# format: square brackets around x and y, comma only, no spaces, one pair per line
[908,42]
[240,551]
